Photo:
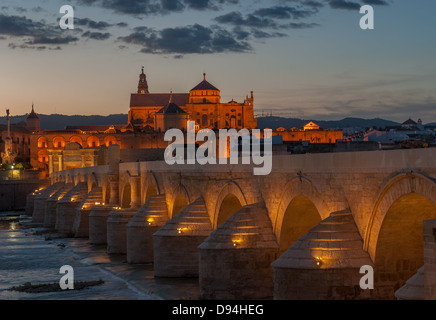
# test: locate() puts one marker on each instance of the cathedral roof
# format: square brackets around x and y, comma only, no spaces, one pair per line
[158,99]
[204,85]
[171,108]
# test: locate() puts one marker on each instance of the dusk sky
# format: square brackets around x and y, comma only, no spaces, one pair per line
[302,58]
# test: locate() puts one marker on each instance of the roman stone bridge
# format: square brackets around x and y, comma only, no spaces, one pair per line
[303,231]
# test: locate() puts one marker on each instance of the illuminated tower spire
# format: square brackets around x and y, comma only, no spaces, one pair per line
[142,85]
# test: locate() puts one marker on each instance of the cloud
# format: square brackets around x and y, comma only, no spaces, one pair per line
[342,4]
[20,9]
[96,35]
[283,12]
[39,48]
[208,4]
[85,22]
[338,4]
[257,24]
[376,2]
[122,24]
[186,40]
[149,7]
[19,26]
[51,40]
[38,9]
[251,20]
[40,36]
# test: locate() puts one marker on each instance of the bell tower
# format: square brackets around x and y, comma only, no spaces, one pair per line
[32,121]
[142,85]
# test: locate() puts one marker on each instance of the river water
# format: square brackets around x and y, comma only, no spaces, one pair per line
[26,257]
[36,255]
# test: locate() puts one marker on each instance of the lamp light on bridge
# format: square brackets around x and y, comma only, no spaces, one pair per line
[97,203]
[318,262]
[150,222]
[181,230]
[235,243]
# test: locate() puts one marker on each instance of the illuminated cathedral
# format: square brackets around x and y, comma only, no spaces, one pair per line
[202,104]
[142,138]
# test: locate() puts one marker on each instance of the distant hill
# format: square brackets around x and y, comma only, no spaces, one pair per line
[59,121]
[288,123]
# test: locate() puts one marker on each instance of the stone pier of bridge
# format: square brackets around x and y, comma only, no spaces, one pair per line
[303,231]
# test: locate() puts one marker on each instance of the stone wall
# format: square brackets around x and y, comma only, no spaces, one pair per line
[13,193]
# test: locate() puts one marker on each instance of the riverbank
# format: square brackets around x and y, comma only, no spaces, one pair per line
[36,255]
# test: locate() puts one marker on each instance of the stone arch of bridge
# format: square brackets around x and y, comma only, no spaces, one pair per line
[92,181]
[105,188]
[126,195]
[78,178]
[150,187]
[404,192]
[69,179]
[300,208]
[179,200]
[230,199]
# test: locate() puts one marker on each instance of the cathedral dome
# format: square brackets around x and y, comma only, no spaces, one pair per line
[204,85]
[204,93]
